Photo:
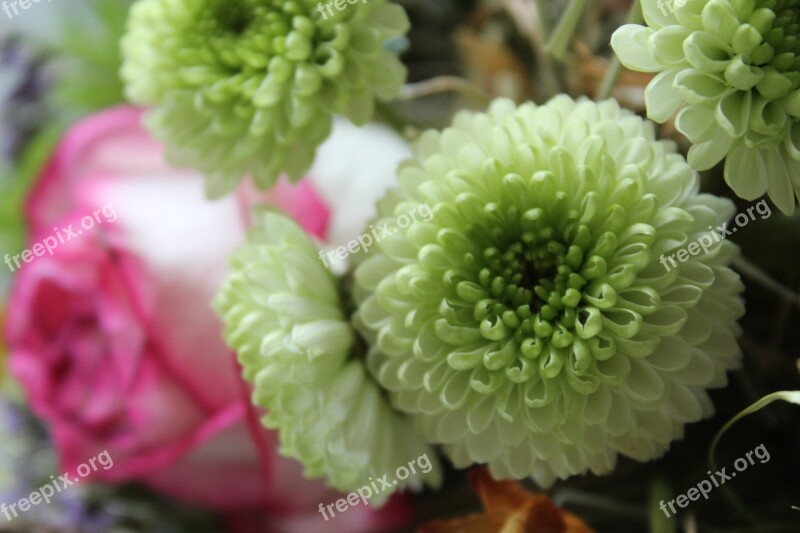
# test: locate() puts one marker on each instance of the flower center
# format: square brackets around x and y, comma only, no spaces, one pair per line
[535,289]
[780,47]
[233,18]
[243,35]
[536,284]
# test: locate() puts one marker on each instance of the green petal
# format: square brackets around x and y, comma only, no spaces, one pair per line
[391,19]
[746,40]
[733,113]
[743,8]
[699,87]
[705,155]
[707,52]
[745,172]
[768,118]
[741,75]
[666,45]
[698,123]
[774,84]
[657,15]
[779,182]
[793,167]
[690,14]
[792,141]
[761,19]
[630,44]
[661,98]
[719,18]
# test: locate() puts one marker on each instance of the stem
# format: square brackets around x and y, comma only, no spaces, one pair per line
[610,79]
[543,7]
[559,41]
[635,16]
[593,501]
[755,273]
[442,84]
[659,522]
[547,80]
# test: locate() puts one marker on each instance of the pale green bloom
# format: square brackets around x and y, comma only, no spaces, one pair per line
[733,66]
[283,316]
[251,86]
[530,324]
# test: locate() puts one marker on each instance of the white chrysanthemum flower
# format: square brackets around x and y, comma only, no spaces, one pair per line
[283,316]
[530,323]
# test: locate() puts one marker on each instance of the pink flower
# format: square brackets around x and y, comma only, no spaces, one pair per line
[114,341]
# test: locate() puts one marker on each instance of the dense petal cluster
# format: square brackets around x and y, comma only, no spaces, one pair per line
[283,316]
[251,86]
[530,323]
[734,67]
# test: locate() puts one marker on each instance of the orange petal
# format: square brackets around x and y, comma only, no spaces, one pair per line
[509,509]
[500,498]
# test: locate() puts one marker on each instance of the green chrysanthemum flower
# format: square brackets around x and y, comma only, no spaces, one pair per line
[283,316]
[735,67]
[250,86]
[530,323]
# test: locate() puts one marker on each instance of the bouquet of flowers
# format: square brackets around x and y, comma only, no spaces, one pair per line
[374,265]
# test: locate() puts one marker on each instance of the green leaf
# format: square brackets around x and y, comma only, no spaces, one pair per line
[786,396]
[736,503]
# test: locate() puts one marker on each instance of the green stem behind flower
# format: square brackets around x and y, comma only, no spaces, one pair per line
[660,490]
[752,271]
[442,84]
[560,39]
[545,13]
[635,16]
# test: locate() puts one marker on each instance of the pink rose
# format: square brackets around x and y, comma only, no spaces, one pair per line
[111,333]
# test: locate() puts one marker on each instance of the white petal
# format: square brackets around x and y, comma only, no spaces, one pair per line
[353,169]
